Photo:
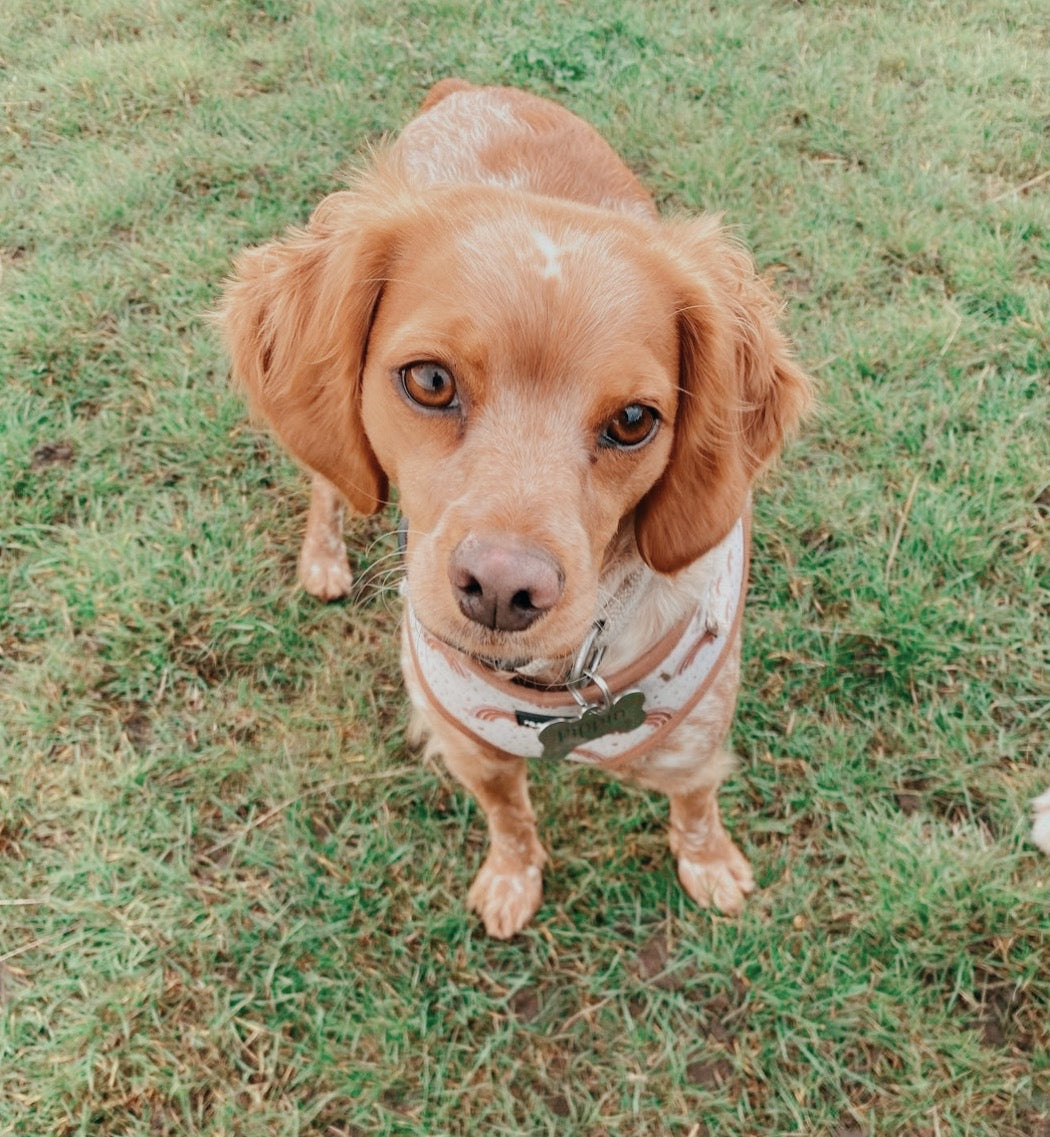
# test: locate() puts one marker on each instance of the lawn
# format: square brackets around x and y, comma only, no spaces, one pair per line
[232,900]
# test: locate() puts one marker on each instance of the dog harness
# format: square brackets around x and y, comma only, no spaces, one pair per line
[592,720]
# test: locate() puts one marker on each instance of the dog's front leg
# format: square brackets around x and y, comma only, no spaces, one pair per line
[508,888]
[711,868]
[324,570]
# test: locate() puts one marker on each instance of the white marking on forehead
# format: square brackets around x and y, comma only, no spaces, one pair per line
[503,258]
[552,253]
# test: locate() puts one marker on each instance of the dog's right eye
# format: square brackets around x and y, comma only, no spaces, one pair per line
[631,428]
[430,385]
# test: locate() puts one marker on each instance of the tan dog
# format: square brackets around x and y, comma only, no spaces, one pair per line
[573,398]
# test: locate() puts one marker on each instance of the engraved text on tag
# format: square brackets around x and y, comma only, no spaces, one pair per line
[561,736]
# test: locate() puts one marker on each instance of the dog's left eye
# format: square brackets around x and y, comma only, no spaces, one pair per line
[631,427]
[430,385]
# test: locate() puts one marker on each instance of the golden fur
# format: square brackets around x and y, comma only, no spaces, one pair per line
[501,239]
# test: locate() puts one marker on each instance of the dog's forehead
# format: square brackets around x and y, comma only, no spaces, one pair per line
[552,282]
[518,251]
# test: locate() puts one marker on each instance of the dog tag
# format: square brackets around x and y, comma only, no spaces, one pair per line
[561,736]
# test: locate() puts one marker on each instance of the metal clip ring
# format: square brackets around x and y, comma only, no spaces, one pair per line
[588,657]
[585,669]
[599,682]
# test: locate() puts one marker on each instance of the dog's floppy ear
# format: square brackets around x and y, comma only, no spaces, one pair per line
[740,394]
[296,315]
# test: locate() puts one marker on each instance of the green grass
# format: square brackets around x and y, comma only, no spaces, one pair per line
[231,900]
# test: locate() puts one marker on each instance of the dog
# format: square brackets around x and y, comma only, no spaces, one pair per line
[574,399]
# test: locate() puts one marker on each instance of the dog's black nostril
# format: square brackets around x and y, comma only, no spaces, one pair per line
[522,601]
[472,587]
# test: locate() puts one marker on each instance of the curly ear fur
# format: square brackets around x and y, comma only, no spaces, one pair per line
[740,395]
[296,316]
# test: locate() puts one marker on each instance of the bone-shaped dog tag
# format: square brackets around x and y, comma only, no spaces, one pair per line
[562,736]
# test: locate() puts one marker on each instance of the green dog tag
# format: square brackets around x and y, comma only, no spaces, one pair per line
[562,736]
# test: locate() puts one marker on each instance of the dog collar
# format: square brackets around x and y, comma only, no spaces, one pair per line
[592,720]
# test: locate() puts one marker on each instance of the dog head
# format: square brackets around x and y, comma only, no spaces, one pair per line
[535,377]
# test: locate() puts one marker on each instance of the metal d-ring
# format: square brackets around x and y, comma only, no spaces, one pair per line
[599,682]
[585,669]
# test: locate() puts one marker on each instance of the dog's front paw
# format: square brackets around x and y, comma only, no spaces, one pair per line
[324,574]
[505,896]
[721,880]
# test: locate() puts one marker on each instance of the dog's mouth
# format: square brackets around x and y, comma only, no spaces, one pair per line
[499,654]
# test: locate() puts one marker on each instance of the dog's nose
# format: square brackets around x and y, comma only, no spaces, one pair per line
[505,584]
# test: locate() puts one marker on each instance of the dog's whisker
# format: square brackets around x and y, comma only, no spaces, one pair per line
[378,543]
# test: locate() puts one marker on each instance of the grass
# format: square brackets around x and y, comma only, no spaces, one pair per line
[231,901]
